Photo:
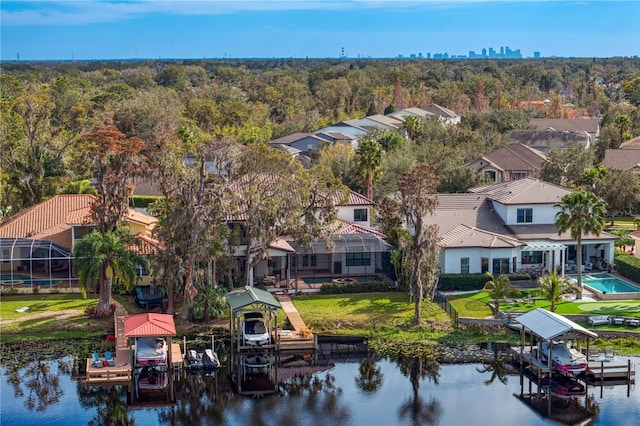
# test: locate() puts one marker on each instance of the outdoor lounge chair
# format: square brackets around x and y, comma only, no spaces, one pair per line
[617,321]
[598,320]
[108,356]
[96,360]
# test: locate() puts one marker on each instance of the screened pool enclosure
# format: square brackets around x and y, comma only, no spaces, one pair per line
[26,262]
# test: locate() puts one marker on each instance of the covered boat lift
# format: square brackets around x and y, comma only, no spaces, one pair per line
[546,326]
[150,325]
[254,366]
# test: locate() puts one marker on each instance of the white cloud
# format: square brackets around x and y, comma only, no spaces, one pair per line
[79,12]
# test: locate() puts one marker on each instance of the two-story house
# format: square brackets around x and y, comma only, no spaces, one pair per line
[511,162]
[353,249]
[509,227]
[36,244]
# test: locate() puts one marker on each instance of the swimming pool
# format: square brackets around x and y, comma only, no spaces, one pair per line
[610,287]
[24,279]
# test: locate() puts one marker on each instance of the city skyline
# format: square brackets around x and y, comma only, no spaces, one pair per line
[147,29]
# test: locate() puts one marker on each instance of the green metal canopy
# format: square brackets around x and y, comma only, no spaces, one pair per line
[247,296]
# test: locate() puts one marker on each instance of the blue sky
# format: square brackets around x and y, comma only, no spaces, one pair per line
[92,29]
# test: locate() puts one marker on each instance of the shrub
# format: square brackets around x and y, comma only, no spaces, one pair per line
[91,310]
[628,266]
[467,282]
[462,282]
[143,201]
[357,287]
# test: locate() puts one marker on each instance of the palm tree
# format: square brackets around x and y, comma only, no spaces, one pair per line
[499,288]
[580,212]
[552,287]
[104,256]
[369,157]
[624,238]
[623,122]
[411,125]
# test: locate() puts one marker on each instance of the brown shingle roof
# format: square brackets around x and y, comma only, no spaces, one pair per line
[516,156]
[589,125]
[623,159]
[631,144]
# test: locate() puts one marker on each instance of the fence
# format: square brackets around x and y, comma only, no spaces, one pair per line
[446,306]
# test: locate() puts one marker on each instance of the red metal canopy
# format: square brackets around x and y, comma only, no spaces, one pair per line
[149,325]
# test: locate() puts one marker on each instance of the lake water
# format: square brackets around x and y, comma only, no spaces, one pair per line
[381,392]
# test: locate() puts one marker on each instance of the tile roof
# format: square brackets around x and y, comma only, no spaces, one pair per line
[471,210]
[52,219]
[342,227]
[523,191]
[466,236]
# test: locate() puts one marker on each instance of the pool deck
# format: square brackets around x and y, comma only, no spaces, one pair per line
[597,295]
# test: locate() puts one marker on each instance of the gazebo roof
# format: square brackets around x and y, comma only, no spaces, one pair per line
[550,326]
[149,325]
[247,296]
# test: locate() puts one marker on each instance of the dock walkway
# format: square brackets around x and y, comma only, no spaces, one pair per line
[292,313]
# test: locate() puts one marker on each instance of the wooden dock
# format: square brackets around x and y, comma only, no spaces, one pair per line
[300,338]
[120,372]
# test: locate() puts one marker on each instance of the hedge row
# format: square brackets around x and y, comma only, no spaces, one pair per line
[143,201]
[466,282]
[628,266]
[358,287]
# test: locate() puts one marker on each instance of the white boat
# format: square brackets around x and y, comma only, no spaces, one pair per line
[564,358]
[254,330]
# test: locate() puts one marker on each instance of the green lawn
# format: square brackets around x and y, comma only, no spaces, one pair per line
[50,316]
[475,305]
[41,303]
[333,312]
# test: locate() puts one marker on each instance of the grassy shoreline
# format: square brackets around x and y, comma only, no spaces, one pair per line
[385,318]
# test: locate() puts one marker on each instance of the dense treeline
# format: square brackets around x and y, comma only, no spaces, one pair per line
[62,124]
[47,106]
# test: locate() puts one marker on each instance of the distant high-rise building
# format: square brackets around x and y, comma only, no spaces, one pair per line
[536,55]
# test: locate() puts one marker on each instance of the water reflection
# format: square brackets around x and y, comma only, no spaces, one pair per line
[370,376]
[419,411]
[372,390]
[110,404]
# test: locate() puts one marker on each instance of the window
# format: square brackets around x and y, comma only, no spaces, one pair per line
[309,259]
[529,257]
[500,266]
[358,259]
[525,215]
[484,264]
[6,255]
[360,215]
[464,265]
